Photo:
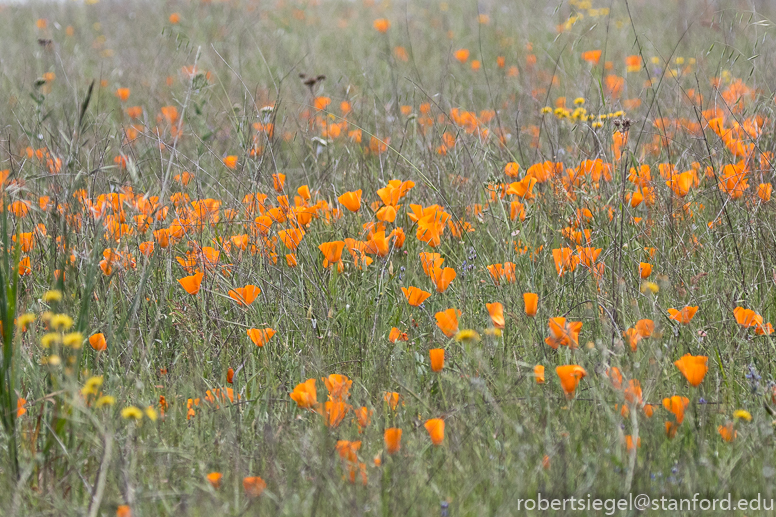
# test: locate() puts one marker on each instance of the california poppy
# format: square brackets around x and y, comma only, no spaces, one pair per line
[676,405]
[538,371]
[230,375]
[332,252]
[392,440]
[381,25]
[693,368]
[570,375]
[437,358]
[214,478]
[645,270]
[436,430]
[97,341]
[392,399]
[338,386]
[260,337]
[531,301]
[363,417]
[123,510]
[334,411]
[462,55]
[351,200]
[447,321]
[415,296]
[564,333]
[244,295]
[747,317]
[683,316]
[192,283]
[442,278]
[727,432]
[397,335]
[254,486]
[496,311]
[305,394]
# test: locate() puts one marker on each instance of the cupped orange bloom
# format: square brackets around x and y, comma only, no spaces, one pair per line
[392,399]
[462,55]
[447,321]
[381,25]
[230,375]
[539,373]
[392,439]
[397,335]
[683,316]
[437,358]
[415,296]
[442,278]
[291,238]
[727,432]
[351,200]
[97,341]
[645,270]
[244,295]
[338,386]
[260,337]
[693,367]
[570,375]
[214,478]
[592,56]
[122,94]
[334,411]
[123,511]
[305,395]
[436,430]
[676,405]
[254,486]
[531,301]
[496,311]
[20,409]
[191,283]
[363,417]
[332,252]
[564,333]
[230,161]
[747,317]
[645,327]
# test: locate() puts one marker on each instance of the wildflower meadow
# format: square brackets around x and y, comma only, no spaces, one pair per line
[329,257]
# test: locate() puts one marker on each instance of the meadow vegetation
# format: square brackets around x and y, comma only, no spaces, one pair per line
[293,257]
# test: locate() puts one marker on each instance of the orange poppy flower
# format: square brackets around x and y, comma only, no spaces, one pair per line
[230,375]
[351,200]
[462,55]
[539,373]
[629,442]
[291,238]
[244,295]
[415,296]
[363,417]
[676,405]
[442,278]
[397,335]
[747,317]
[496,311]
[671,429]
[447,321]
[693,367]
[334,411]
[97,341]
[230,161]
[191,283]
[436,430]
[565,260]
[564,333]
[122,94]
[437,358]
[332,252]
[615,376]
[260,337]
[20,409]
[645,327]
[123,511]
[338,386]
[570,375]
[392,399]
[683,316]
[214,478]
[531,301]
[727,432]
[305,395]
[381,25]
[254,486]
[392,439]
[592,56]
[146,248]
[633,393]
[278,181]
